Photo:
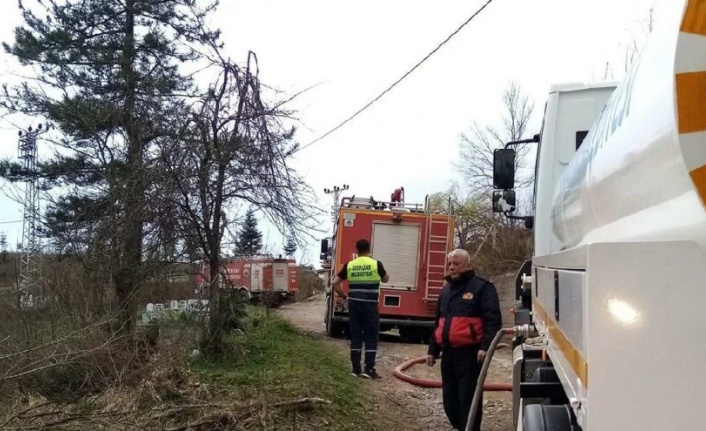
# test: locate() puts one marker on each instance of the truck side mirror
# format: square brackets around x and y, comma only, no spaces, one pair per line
[503,201]
[324,250]
[504,169]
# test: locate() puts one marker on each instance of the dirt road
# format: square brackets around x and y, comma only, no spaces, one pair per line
[416,408]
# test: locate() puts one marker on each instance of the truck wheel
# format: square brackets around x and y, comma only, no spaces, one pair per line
[243,295]
[333,329]
[414,335]
[407,334]
[426,335]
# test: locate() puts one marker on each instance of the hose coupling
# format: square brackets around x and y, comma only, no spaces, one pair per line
[524,330]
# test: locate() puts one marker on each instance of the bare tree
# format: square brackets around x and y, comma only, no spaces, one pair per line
[496,244]
[476,149]
[494,241]
[233,148]
[633,45]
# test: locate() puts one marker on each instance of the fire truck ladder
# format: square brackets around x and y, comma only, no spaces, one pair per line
[436,245]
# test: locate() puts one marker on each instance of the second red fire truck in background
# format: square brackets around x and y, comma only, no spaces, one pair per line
[258,277]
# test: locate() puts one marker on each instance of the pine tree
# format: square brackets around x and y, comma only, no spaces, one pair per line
[250,239]
[110,83]
[290,247]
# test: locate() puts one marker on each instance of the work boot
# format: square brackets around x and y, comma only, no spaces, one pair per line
[373,375]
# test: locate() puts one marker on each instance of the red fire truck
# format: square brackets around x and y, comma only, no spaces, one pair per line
[413,243]
[258,277]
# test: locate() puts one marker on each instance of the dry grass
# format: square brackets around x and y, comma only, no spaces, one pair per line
[165,397]
[269,384]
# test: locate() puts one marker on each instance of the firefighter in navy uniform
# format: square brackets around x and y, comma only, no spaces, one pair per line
[364,275]
[467,319]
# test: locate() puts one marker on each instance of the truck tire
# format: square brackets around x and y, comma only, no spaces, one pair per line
[539,417]
[333,329]
[244,295]
[415,335]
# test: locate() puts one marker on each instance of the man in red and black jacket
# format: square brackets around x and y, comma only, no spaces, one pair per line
[467,319]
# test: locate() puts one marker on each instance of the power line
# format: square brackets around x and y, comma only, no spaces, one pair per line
[399,80]
[11,221]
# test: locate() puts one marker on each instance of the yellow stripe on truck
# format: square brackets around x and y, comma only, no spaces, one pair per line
[694,21]
[572,355]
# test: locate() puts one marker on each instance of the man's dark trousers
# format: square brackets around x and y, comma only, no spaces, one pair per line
[364,321]
[459,375]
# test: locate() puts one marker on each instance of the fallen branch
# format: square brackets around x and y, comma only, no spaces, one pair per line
[389,397]
[56,423]
[302,402]
[41,415]
[18,414]
[222,420]
[179,409]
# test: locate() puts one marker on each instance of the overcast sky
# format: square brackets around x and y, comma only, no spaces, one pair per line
[355,50]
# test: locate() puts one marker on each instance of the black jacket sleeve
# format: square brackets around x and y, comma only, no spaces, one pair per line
[381,269]
[343,273]
[434,348]
[492,317]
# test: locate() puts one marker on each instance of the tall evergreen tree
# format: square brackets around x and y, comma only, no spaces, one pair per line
[109,80]
[290,247]
[250,239]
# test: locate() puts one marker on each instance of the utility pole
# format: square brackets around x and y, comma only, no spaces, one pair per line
[30,247]
[336,192]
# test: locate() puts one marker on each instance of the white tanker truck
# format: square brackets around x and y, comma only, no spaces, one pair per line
[610,331]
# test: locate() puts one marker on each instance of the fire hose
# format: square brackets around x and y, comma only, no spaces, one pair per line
[483,374]
[480,387]
[428,383]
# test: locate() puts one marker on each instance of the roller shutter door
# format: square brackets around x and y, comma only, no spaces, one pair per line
[397,247]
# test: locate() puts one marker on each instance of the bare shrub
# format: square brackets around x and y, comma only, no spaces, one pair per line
[504,248]
[309,283]
[496,244]
[69,342]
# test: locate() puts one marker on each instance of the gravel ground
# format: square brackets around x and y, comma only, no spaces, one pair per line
[416,408]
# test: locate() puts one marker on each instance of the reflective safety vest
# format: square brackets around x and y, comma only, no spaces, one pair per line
[363,279]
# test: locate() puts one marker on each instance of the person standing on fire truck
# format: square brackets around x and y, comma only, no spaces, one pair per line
[364,275]
[467,319]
